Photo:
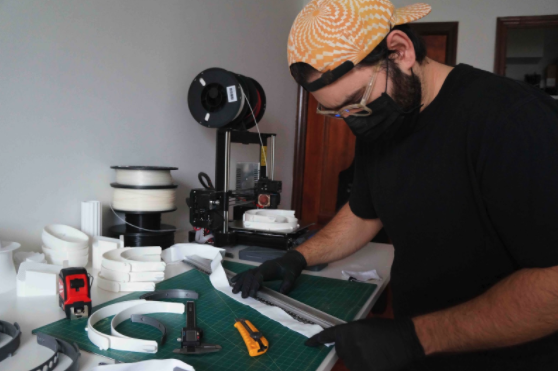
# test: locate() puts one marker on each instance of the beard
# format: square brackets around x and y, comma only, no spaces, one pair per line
[407,90]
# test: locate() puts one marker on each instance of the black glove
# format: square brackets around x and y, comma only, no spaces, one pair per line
[373,344]
[288,268]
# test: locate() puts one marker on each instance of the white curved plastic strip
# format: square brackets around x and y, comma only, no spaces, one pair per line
[270,220]
[170,364]
[104,341]
[144,199]
[220,282]
[142,259]
[131,276]
[147,308]
[114,286]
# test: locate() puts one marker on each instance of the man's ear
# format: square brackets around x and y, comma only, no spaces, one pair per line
[405,56]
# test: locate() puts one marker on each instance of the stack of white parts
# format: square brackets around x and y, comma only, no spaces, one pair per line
[91,218]
[65,246]
[131,269]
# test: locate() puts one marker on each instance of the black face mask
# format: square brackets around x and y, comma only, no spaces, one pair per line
[387,120]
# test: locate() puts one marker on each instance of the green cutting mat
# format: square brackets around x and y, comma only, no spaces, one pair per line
[216,313]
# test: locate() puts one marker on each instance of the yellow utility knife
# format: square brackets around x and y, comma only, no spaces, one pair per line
[254,340]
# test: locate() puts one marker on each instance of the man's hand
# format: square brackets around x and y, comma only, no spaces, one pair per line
[288,268]
[373,344]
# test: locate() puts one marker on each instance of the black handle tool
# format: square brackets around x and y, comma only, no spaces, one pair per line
[191,340]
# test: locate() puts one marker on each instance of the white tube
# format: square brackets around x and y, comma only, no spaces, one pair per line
[91,218]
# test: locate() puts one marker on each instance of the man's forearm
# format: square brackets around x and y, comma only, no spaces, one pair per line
[342,236]
[520,308]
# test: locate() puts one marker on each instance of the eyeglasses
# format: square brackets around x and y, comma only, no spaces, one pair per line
[358,109]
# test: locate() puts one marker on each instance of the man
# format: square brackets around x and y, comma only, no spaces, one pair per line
[461,168]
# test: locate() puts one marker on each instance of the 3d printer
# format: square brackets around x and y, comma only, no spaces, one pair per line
[232,104]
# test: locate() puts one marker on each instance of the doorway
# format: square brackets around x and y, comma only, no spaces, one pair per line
[526,51]
[324,146]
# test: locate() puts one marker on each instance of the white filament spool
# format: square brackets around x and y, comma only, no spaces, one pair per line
[153,200]
[144,177]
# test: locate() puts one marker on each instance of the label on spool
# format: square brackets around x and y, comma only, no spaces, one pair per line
[231,93]
[263,156]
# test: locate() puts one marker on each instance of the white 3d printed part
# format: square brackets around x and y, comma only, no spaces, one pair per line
[104,341]
[270,220]
[151,365]
[114,286]
[60,237]
[131,276]
[37,279]
[102,245]
[7,269]
[91,218]
[128,259]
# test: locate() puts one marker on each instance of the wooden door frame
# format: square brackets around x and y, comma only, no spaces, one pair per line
[444,28]
[503,24]
[300,150]
[450,29]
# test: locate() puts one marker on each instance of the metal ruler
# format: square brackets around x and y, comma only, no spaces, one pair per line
[299,311]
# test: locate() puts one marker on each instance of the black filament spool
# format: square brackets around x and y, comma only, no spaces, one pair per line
[152,222]
[216,100]
[145,238]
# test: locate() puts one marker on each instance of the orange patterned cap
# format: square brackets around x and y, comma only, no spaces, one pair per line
[330,33]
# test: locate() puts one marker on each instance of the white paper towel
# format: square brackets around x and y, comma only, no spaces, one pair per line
[219,280]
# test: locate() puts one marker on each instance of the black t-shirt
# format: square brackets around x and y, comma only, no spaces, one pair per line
[468,198]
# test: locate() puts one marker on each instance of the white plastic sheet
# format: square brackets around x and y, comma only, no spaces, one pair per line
[219,281]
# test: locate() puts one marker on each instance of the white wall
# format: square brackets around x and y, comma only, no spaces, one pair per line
[477,22]
[89,84]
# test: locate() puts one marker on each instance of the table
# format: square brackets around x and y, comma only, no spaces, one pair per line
[31,313]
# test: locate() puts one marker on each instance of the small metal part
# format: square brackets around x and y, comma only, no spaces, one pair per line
[191,340]
[170,294]
[299,311]
[14,332]
[140,318]
[58,346]
[79,313]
